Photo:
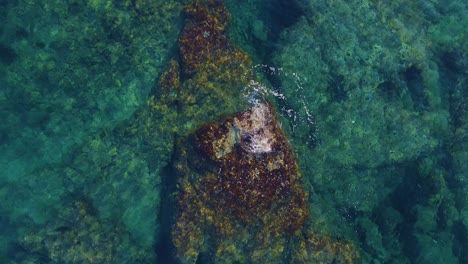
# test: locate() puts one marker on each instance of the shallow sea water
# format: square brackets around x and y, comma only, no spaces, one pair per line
[126,125]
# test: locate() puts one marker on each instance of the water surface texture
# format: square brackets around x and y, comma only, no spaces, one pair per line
[235,131]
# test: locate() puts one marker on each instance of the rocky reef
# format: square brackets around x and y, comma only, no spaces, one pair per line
[85,240]
[385,83]
[240,197]
[82,181]
[67,69]
[240,182]
[279,131]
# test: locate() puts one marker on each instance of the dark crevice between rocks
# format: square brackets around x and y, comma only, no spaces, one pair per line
[389,91]
[7,55]
[451,70]
[275,16]
[460,241]
[3,2]
[279,15]
[336,88]
[454,62]
[204,258]
[282,14]
[404,199]
[415,84]
[21,33]
[165,249]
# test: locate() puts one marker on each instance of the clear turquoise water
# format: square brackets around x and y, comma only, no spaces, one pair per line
[384,157]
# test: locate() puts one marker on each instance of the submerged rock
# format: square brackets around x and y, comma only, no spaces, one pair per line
[240,182]
[240,197]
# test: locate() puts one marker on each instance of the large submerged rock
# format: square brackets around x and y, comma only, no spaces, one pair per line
[240,182]
[239,195]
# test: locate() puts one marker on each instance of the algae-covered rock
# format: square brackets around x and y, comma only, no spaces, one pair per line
[382,81]
[239,194]
[235,174]
[213,69]
[372,96]
[316,248]
[368,114]
[243,186]
[76,237]
[74,67]
[78,125]
[118,175]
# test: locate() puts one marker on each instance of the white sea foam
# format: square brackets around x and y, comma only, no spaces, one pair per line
[256,92]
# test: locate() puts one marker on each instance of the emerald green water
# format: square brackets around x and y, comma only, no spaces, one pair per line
[372,95]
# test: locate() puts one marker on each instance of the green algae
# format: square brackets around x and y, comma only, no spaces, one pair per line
[83,69]
[82,64]
[380,97]
[386,83]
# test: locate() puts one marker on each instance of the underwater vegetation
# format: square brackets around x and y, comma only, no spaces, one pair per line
[386,83]
[209,131]
[244,186]
[75,64]
[83,144]
[240,197]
